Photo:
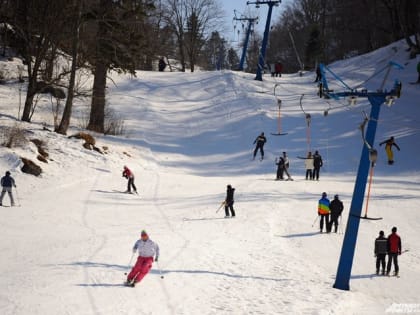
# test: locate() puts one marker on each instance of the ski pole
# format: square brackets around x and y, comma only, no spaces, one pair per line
[221,205]
[316,219]
[160,271]
[17,197]
[129,264]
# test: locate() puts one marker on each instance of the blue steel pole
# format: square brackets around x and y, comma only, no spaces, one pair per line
[347,251]
[248,32]
[261,58]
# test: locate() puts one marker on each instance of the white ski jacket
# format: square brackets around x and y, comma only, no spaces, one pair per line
[146,248]
[309,163]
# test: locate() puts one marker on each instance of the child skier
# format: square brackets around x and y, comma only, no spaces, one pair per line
[388,149]
[7,182]
[229,201]
[147,250]
[127,173]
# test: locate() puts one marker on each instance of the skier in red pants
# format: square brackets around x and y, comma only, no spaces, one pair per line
[148,250]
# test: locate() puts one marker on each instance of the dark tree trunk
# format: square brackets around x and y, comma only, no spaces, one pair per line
[65,120]
[97,110]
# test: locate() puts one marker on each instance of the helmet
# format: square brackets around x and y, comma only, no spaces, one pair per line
[7,173]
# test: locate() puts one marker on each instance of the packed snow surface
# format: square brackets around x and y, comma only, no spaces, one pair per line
[66,247]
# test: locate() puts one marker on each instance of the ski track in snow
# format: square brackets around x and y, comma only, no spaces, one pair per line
[189,135]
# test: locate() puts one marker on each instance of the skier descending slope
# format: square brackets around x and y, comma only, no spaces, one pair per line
[388,149]
[147,250]
[127,173]
[229,201]
[260,141]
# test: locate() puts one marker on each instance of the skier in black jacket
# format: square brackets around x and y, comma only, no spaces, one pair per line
[336,208]
[381,249]
[317,165]
[7,182]
[229,201]
[260,141]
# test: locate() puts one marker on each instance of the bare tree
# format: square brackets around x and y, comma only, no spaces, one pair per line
[192,21]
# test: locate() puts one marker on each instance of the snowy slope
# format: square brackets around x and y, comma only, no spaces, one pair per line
[66,248]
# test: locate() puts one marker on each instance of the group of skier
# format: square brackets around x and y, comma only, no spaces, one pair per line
[390,246]
[313,164]
[329,212]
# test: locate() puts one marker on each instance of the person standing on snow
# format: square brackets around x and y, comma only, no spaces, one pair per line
[336,208]
[286,166]
[388,149]
[280,168]
[7,182]
[162,65]
[127,173]
[317,165]
[278,69]
[260,141]
[324,211]
[318,74]
[394,249]
[381,249]
[148,252]
[229,201]
[418,71]
[309,166]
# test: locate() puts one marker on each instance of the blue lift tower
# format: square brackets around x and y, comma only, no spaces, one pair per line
[261,57]
[377,99]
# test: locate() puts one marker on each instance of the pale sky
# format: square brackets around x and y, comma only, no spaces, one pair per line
[250,11]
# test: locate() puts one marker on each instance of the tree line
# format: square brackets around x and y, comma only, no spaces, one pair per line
[328,30]
[100,36]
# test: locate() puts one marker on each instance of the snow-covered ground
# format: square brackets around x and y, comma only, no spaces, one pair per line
[66,248]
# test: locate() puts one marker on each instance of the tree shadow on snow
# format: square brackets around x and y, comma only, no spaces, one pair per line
[91,264]
[217,273]
[367,276]
[203,219]
[299,235]
[102,285]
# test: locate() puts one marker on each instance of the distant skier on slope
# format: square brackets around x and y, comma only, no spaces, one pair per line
[324,211]
[260,141]
[317,165]
[127,173]
[336,208]
[7,182]
[381,249]
[394,249]
[148,252]
[229,201]
[388,149]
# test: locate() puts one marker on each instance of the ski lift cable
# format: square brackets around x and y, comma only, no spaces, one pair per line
[371,77]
